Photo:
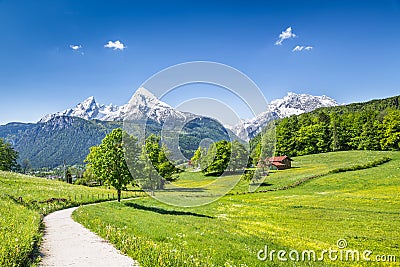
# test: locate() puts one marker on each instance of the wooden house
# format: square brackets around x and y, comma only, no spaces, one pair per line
[280,162]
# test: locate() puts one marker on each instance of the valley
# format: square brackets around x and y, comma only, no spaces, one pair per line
[234,228]
[199,133]
[358,206]
[68,135]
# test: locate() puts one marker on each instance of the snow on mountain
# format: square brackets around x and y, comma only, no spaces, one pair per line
[295,104]
[143,103]
[146,105]
[89,110]
[291,104]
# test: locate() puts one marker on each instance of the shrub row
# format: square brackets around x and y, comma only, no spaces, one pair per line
[368,165]
[362,166]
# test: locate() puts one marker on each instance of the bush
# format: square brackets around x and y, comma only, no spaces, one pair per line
[362,166]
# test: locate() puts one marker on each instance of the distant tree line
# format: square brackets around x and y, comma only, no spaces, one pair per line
[221,156]
[47,145]
[328,130]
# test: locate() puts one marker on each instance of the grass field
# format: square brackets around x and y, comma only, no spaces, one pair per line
[19,231]
[24,200]
[302,168]
[361,207]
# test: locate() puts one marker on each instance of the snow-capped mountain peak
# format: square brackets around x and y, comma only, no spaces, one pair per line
[88,110]
[143,92]
[143,97]
[295,104]
[291,104]
[88,102]
[142,104]
[145,105]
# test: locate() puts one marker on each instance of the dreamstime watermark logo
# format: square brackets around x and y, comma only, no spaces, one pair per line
[146,115]
[339,253]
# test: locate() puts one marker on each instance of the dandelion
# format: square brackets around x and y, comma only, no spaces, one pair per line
[180,235]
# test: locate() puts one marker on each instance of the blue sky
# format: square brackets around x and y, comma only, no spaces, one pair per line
[355,53]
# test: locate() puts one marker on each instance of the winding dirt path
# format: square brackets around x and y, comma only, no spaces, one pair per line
[67,243]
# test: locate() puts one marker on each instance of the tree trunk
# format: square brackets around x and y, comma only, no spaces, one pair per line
[119,195]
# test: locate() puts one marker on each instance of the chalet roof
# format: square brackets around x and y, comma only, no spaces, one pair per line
[277,164]
[279,158]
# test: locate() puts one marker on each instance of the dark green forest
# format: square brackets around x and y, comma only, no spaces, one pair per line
[374,125]
[61,139]
[68,139]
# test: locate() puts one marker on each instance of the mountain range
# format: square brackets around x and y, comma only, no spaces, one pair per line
[67,135]
[291,104]
[145,103]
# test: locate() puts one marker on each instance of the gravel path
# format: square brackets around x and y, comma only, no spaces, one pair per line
[67,243]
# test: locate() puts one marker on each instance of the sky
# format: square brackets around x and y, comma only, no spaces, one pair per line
[55,54]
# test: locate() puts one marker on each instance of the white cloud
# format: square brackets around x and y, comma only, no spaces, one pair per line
[115,45]
[287,34]
[299,48]
[75,47]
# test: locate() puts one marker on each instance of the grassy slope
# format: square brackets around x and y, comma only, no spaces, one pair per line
[360,206]
[19,230]
[24,200]
[303,167]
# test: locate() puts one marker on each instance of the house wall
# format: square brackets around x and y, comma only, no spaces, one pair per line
[287,163]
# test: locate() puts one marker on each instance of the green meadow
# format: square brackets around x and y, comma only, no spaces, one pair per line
[353,197]
[24,200]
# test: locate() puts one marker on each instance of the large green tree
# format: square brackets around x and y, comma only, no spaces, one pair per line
[8,156]
[158,155]
[199,158]
[218,157]
[195,160]
[107,161]
[239,156]
[391,131]
[150,179]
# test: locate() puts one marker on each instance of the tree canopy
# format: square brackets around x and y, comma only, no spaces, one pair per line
[221,156]
[107,160]
[8,156]
[158,155]
[326,130]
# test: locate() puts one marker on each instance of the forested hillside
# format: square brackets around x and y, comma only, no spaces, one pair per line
[49,143]
[63,138]
[374,125]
